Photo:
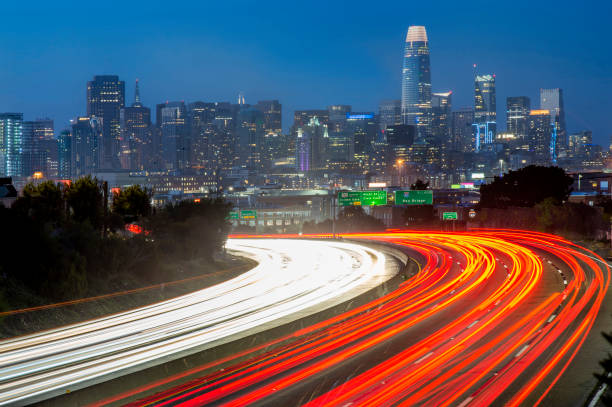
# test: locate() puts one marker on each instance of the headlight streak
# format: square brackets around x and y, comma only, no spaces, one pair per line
[291,279]
[518,332]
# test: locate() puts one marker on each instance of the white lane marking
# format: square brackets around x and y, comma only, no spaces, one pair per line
[423,358]
[551,318]
[472,324]
[520,352]
[466,402]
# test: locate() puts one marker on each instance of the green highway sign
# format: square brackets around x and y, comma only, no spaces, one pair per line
[420,197]
[248,214]
[234,216]
[449,215]
[362,198]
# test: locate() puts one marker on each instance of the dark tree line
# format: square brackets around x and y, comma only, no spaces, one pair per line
[350,219]
[61,242]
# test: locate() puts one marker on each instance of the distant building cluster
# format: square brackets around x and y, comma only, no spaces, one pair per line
[203,147]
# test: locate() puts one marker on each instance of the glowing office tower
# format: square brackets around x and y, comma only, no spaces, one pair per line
[105,99]
[416,82]
[552,100]
[485,110]
[11,132]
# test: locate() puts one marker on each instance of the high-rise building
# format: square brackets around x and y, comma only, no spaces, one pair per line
[86,139]
[250,135]
[416,82]
[485,110]
[136,136]
[44,134]
[552,100]
[203,134]
[311,145]
[541,137]
[64,155]
[175,146]
[224,122]
[273,116]
[337,117]
[303,117]
[389,113]
[517,112]
[462,130]
[11,134]
[441,118]
[399,139]
[105,98]
[578,144]
[362,130]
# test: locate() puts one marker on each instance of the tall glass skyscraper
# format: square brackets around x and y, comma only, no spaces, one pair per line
[416,82]
[485,110]
[552,100]
[11,132]
[105,99]
[517,111]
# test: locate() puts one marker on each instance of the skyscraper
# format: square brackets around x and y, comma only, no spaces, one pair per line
[250,135]
[441,118]
[462,130]
[362,130]
[11,133]
[105,98]
[416,82]
[390,113]
[273,113]
[552,100]
[485,110]
[175,147]
[86,136]
[64,155]
[517,112]
[136,138]
[311,145]
[541,137]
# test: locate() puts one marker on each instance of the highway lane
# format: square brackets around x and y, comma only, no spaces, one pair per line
[292,278]
[494,317]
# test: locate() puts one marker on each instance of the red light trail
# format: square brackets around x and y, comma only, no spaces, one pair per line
[492,317]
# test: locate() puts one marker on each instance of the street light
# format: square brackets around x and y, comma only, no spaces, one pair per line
[400,164]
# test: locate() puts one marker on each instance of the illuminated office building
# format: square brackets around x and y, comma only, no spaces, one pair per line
[552,100]
[542,141]
[485,110]
[517,113]
[105,98]
[11,133]
[416,82]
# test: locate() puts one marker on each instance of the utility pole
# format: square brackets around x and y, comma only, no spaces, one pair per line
[105,193]
[333,210]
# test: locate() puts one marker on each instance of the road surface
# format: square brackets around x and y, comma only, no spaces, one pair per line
[492,318]
[292,278]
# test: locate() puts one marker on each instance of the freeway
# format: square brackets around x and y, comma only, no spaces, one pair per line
[292,279]
[494,317]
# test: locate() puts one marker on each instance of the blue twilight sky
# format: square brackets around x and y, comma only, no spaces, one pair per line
[306,54]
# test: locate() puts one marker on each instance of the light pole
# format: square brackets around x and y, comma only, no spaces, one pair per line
[399,164]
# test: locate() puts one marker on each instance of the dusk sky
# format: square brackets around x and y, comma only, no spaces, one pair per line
[306,54]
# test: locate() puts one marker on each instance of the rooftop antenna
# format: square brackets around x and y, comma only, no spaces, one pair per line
[137,96]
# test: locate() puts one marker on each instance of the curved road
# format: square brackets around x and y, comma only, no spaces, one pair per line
[292,278]
[494,317]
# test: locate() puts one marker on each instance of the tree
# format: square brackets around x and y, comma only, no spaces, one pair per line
[86,201]
[419,185]
[354,219]
[526,187]
[43,203]
[132,203]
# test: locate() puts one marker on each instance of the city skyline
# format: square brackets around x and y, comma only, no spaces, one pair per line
[264,73]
